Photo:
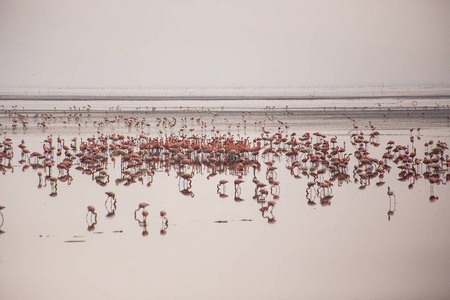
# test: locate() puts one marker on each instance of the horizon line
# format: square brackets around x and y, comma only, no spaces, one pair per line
[303,93]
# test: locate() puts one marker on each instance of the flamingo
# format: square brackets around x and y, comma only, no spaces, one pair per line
[237,187]
[390,193]
[91,209]
[91,212]
[142,206]
[163,215]
[222,183]
[111,195]
[270,205]
[275,189]
[1,208]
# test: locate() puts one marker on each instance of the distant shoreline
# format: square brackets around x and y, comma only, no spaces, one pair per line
[167,94]
[210,98]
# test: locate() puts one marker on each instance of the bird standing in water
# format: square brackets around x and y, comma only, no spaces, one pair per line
[1,208]
[390,192]
[142,205]
[163,215]
[111,195]
[91,211]
[222,184]
[91,223]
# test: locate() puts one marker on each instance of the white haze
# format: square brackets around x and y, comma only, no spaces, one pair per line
[223,44]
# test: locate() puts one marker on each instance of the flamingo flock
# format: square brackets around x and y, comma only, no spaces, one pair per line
[325,162]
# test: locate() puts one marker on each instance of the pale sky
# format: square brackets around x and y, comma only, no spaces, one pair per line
[223,44]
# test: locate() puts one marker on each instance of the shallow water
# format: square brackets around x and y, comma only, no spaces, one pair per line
[358,243]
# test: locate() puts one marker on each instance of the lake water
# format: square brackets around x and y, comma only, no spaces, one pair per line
[353,241]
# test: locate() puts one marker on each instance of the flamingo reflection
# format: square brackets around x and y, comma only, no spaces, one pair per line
[237,190]
[91,218]
[187,192]
[271,173]
[54,186]
[391,210]
[3,219]
[237,187]
[275,189]
[110,205]
[310,196]
[267,211]
[221,188]
[260,191]
[433,179]
[185,179]
[40,180]
[164,219]
[144,225]
[165,222]
[142,221]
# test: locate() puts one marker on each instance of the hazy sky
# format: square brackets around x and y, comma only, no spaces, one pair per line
[211,44]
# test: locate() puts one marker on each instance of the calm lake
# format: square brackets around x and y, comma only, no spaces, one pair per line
[339,199]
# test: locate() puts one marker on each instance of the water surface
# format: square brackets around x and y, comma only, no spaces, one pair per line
[358,243]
